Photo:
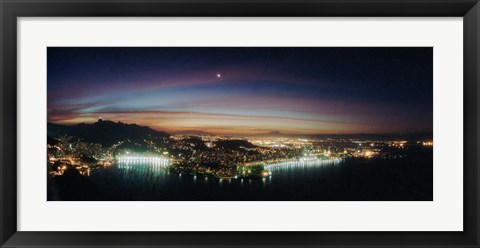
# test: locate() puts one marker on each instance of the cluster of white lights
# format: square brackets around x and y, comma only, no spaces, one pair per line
[143,159]
[302,163]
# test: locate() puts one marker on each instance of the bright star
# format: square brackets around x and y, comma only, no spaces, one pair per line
[219,75]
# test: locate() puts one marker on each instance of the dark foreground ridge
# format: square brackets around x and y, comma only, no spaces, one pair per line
[106,133]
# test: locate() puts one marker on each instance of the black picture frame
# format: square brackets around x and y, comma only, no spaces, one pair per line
[10,10]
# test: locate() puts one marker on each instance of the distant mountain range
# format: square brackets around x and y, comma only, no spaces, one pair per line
[193,132]
[107,133]
[274,134]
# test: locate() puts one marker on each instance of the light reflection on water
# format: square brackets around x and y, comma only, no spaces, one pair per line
[301,164]
[348,179]
[155,172]
[151,180]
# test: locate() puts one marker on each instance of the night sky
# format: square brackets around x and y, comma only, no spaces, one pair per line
[245,90]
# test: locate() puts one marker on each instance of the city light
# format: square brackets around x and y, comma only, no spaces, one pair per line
[427,143]
[152,160]
[304,162]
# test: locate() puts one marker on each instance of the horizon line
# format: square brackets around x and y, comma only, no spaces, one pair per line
[251,134]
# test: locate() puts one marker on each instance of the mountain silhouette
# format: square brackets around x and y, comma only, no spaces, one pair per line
[193,132]
[107,133]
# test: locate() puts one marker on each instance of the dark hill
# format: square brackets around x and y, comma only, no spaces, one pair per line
[197,142]
[107,133]
[273,134]
[234,144]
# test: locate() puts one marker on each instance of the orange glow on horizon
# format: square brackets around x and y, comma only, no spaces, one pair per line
[223,124]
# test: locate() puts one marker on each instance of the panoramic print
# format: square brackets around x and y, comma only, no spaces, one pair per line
[239,124]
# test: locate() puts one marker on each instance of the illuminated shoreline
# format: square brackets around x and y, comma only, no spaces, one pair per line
[303,162]
[267,167]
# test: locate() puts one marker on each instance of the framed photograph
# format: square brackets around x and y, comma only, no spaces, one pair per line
[246,124]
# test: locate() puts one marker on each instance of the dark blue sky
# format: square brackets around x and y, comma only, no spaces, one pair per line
[245,90]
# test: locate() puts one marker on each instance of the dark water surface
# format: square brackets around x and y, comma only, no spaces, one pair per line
[350,179]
